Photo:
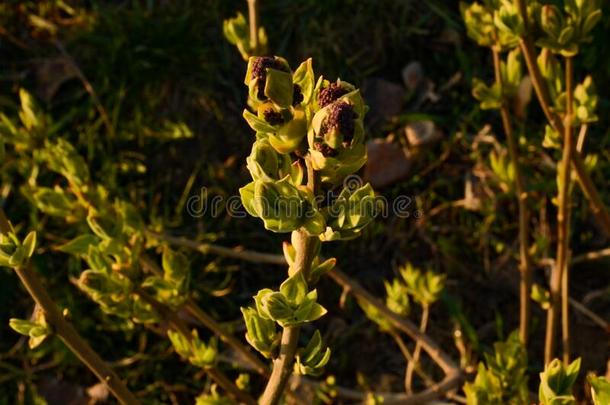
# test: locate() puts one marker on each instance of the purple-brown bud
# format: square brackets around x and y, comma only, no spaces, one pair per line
[341,117]
[330,94]
[259,71]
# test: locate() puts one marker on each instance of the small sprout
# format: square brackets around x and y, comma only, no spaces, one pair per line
[425,288]
[290,306]
[243,382]
[194,349]
[541,296]
[311,359]
[350,213]
[479,23]
[502,379]
[236,31]
[397,298]
[213,399]
[556,383]
[176,270]
[37,329]
[15,253]
[282,206]
[261,332]
[585,102]
[600,389]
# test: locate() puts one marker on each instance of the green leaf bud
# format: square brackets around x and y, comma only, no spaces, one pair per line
[350,213]
[424,287]
[397,298]
[600,389]
[261,332]
[479,23]
[312,358]
[556,383]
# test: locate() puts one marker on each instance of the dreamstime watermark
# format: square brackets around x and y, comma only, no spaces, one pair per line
[214,206]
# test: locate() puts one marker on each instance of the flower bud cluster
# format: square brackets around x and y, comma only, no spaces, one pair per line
[298,118]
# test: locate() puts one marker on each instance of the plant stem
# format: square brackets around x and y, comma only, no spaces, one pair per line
[409,357]
[565,282]
[66,331]
[282,366]
[586,184]
[417,351]
[253,24]
[557,293]
[565,310]
[525,267]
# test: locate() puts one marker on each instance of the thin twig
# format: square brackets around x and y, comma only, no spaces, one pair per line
[597,255]
[253,23]
[557,293]
[599,321]
[417,352]
[66,332]
[212,249]
[409,357]
[524,262]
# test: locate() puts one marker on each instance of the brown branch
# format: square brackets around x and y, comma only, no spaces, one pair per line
[66,332]
[598,255]
[417,352]
[409,357]
[211,249]
[525,267]
[557,276]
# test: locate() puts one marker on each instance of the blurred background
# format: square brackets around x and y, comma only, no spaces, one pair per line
[151,94]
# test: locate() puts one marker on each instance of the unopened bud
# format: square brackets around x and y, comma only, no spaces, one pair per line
[259,72]
[331,93]
[341,118]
